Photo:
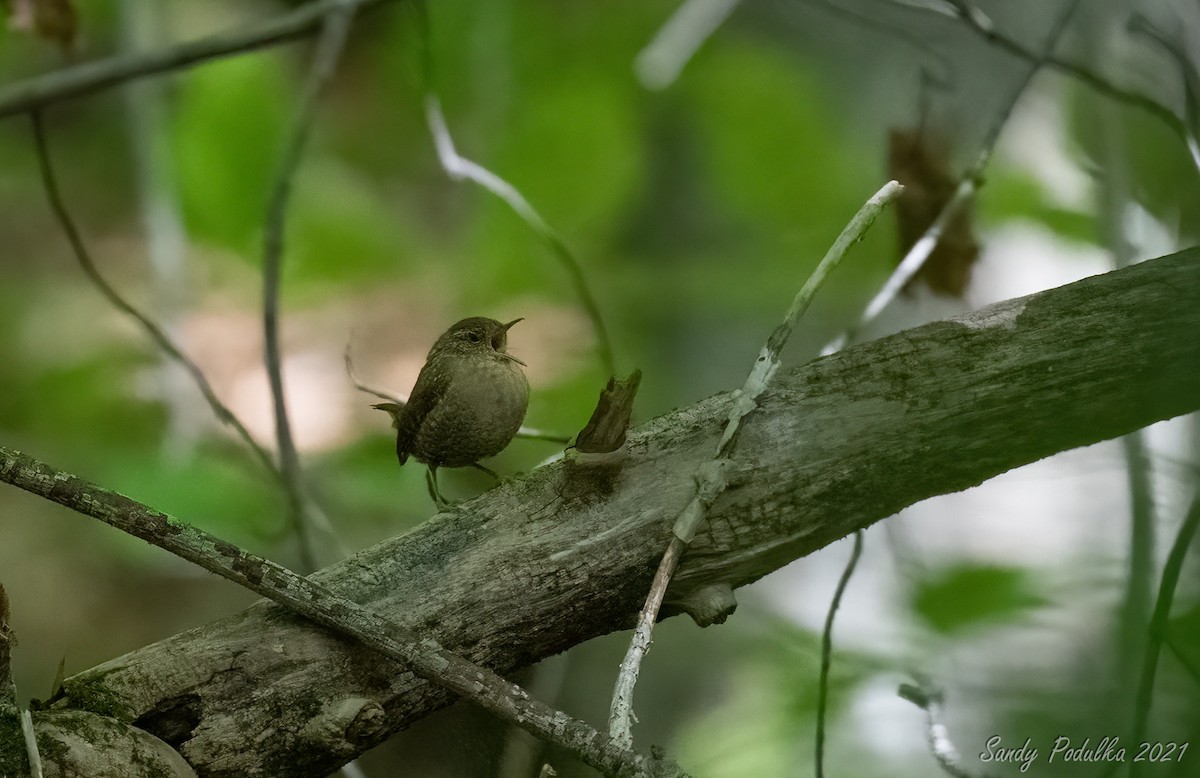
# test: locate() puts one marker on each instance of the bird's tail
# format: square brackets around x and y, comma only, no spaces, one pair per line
[395,409]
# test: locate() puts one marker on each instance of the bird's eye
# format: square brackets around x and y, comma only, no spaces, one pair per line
[473,337]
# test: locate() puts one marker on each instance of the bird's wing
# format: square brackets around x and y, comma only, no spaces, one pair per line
[430,387]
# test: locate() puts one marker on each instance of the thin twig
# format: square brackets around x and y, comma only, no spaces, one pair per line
[316,602]
[160,337]
[968,185]
[676,42]
[942,747]
[328,52]
[92,77]
[528,433]
[1158,623]
[31,746]
[827,650]
[914,260]
[710,479]
[460,168]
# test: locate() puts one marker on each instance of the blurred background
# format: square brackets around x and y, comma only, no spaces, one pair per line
[697,194]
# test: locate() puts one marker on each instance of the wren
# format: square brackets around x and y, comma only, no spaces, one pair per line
[468,403]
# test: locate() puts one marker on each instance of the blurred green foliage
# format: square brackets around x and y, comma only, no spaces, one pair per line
[225,151]
[962,597]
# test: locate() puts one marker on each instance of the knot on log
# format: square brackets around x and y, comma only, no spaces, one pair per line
[708,605]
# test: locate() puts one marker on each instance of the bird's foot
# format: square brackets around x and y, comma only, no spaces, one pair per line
[438,500]
[487,470]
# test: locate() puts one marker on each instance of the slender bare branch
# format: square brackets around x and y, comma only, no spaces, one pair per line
[677,41]
[929,699]
[711,477]
[92,77]
[318,603]
[1158,623]
[157,334]
[31,745]
[460,168]
[827,651]
[306,517]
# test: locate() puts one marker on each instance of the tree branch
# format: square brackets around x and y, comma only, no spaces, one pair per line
[561,555]
[460,168]
[319,604]
[306,516]
[98,75]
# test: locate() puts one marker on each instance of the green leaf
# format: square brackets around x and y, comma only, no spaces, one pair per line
[226,139]
[963,597]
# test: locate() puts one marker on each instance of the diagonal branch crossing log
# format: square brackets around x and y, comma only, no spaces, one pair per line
[566,553]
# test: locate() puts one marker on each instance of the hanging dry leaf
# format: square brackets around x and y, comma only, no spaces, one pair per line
[919,162]
[53,20]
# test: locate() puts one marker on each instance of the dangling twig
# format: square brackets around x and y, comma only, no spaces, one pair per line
[305,515]
[711,477]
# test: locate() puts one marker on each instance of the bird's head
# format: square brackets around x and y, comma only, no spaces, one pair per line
[476,335]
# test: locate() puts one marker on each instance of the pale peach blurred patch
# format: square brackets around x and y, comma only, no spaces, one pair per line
[389,332]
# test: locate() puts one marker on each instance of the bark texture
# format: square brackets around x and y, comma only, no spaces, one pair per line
[566,553]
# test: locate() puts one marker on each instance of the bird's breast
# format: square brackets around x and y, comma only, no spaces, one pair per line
[479,414]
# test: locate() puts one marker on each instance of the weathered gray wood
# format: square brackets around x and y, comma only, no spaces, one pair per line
[78,743]
[566,553]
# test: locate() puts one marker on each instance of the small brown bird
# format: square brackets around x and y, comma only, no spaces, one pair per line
[468,403]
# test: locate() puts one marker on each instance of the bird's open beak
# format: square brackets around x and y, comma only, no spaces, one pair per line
[506,355]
